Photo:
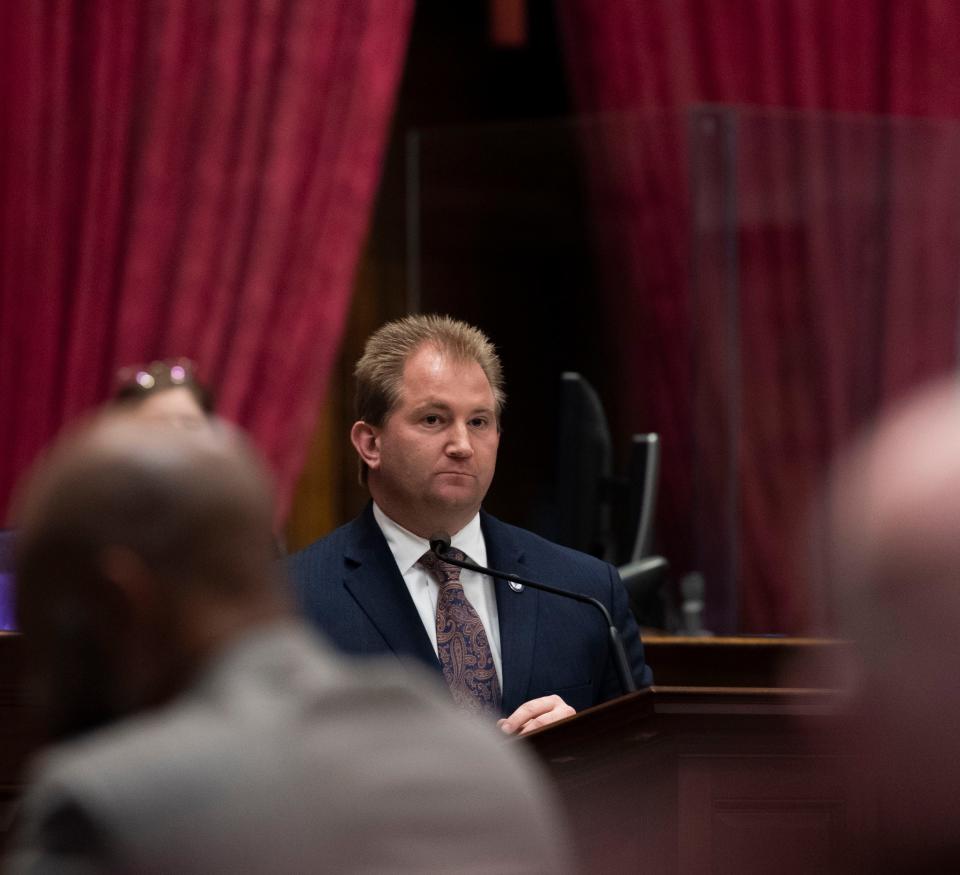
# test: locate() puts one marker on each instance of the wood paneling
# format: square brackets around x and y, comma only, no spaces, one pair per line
[721,780]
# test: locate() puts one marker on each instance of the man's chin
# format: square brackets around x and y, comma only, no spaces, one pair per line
[461,497]
[462,500]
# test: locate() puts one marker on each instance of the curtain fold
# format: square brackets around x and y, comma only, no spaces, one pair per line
[182,178]
[845,269]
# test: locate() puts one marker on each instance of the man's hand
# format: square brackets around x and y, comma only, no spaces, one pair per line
[534,714]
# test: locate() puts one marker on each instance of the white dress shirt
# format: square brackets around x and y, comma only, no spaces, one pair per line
[407,548]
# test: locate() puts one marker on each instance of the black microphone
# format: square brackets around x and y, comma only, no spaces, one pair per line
[440,544]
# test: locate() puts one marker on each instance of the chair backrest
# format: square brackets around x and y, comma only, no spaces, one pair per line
[637,507]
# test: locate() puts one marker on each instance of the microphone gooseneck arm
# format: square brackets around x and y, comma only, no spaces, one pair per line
[440,544]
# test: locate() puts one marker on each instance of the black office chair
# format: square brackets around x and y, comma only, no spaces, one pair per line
[645,581]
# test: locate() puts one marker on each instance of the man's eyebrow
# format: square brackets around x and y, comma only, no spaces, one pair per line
[435,404]
[432,403]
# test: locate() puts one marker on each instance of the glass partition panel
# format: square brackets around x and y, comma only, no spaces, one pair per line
[751,285]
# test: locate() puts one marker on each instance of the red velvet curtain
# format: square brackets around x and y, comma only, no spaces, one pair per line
[182,178]
[836,289]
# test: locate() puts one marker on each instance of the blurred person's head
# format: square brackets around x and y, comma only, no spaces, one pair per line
[142,548]
[164,391]
[893,528]
[429,399]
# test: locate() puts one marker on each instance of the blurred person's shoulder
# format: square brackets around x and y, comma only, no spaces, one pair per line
[279,729]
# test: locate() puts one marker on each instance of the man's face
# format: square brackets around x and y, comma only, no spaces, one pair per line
[434,456]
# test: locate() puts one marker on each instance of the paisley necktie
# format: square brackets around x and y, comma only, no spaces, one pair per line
[462,643]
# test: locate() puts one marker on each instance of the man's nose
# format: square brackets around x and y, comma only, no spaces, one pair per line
[459,444]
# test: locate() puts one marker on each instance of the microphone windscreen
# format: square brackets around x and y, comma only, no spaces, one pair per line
[440,543]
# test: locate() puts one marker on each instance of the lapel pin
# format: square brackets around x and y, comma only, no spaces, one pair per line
[516,587]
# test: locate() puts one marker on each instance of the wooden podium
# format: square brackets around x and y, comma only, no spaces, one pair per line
[707,780]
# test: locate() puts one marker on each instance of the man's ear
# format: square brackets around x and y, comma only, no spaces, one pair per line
[130,579]
[366,441]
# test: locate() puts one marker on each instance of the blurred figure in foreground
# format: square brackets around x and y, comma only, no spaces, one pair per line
[893,549]
[202,727]
[164,391]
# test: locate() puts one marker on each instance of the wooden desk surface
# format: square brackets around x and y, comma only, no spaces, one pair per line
[763,661]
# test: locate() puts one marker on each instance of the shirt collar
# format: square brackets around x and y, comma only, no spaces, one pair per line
[407,548]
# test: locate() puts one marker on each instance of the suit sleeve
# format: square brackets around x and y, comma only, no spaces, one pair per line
[630,633]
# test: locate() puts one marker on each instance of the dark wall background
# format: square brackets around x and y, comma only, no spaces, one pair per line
[504,244]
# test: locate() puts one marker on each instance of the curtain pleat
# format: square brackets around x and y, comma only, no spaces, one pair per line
[185,179]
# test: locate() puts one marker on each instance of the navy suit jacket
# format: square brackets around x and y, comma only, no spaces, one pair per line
[349,586]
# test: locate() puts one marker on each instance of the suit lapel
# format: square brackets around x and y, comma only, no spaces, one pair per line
[371,576]
[517,612]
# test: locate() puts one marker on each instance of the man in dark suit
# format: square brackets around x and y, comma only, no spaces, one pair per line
[429,400]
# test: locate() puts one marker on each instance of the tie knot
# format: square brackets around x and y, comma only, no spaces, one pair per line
[442,571]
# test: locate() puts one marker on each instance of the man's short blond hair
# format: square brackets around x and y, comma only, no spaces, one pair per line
[379,371]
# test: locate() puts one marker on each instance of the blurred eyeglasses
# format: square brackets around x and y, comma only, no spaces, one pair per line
[163,373]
